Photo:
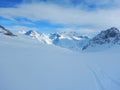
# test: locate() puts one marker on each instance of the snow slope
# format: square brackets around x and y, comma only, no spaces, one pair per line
[25,64]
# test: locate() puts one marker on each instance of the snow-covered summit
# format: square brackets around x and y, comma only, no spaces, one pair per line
[43,38]
[108,37]
[33,34]
[72,35]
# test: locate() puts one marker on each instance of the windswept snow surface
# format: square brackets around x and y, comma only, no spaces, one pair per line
[26,64]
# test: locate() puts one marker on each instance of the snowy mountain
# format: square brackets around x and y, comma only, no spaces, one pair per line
[107,38]
[70,40]
[4,31]
[43,38]
[73,40]
[26,64]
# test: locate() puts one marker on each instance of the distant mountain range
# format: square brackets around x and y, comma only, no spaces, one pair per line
[70,40]
[73,40]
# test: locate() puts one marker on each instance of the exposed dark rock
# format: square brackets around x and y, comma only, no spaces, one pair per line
[6,32]
[111,35]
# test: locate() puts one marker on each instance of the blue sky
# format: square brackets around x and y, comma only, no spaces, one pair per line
[50,16]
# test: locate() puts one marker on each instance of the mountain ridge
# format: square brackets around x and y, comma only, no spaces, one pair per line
[73,40]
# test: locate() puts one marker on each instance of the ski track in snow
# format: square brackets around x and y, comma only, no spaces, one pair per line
[98,81]
[112,79]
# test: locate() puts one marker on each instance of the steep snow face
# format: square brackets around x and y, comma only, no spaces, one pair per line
[71,40]
[105,39]
[43,38]
[25,64]
[5,31]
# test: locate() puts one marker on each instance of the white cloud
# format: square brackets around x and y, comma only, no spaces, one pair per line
[104,18]
[18,28]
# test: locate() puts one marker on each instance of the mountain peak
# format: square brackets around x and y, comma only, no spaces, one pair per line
[43,38]
[33,34]
[112,32]
[5,31]
[109,36]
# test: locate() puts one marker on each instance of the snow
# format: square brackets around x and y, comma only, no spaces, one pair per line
[41,37]
[26,64]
